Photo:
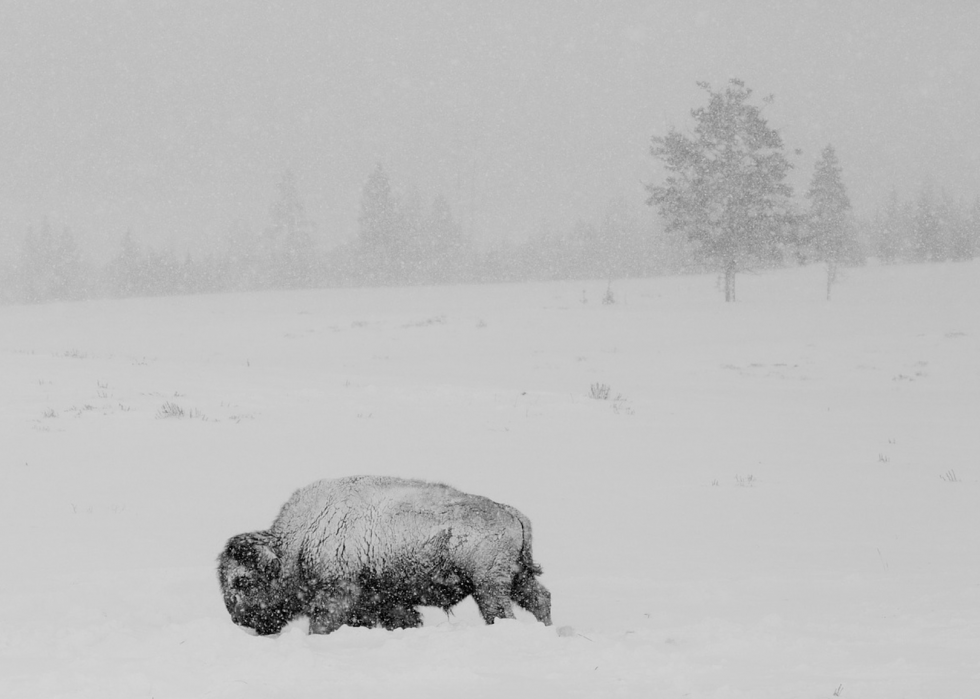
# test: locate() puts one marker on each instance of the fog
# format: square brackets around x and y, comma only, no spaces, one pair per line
[174,119]
[772,500]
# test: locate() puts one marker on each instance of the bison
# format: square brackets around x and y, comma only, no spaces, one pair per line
[368,551]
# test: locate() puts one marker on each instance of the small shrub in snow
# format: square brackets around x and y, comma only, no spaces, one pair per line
[609,298]
[620,408]
[950,476]
[746,482]
[169,409]
[600,391]
[195,413]
[436,320]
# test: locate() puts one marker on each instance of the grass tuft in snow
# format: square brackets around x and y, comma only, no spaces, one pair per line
[950,477]
[599,391]
[169,409]
[620,408]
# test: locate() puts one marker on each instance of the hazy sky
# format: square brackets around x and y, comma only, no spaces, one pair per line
[174,118]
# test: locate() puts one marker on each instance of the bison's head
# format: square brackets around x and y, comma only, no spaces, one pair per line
[250,574]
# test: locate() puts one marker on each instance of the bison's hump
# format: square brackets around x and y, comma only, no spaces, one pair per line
[345,524]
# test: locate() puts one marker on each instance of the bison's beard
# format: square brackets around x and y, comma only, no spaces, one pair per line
[265,620]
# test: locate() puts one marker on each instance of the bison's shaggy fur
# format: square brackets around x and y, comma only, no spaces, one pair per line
[367,551]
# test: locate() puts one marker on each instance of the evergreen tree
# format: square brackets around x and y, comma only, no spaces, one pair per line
[725,187]
[240,265]
[291,248]
[622,240]
[445,243]
[893,232]
[50,265]
[377,228]
[972,235]
[828,226]
[36,263]
[926,241]
[66,267]
[954,229]
[127,272]
[411,257]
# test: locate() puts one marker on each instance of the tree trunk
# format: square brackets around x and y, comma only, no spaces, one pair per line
[730,281]
[831,275]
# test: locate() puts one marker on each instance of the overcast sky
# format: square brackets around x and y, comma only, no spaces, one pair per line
[174,118]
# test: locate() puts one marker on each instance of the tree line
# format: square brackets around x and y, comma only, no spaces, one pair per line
[723,199]
[400,241]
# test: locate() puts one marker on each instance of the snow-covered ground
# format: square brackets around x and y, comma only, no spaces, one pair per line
[778,498]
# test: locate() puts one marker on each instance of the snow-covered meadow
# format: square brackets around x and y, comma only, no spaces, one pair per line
[778,497]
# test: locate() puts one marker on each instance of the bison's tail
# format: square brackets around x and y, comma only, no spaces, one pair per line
[525,559]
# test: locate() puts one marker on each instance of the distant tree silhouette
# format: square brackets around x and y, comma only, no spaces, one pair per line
[289,239]
[926,231]
[725,186]
[827,225]
[378,230]
[51,266]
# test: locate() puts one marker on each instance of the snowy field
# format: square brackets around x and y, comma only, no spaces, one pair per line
[778,498]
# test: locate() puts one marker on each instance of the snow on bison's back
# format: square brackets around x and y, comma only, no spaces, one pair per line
[369,550]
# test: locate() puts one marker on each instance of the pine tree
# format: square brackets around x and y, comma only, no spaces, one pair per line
[828,226]
[241,260]
[35,263]
[411,258]
[621,240]
[50,265]
[66,267]
[954,229]
[377,228]
[726,186]
[891,232]
[972,245]
[445,242]
[926,235]
[127,271]
[291,247]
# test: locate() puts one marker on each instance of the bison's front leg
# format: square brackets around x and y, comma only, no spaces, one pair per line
[330,608]
[400,616]
[493,599]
